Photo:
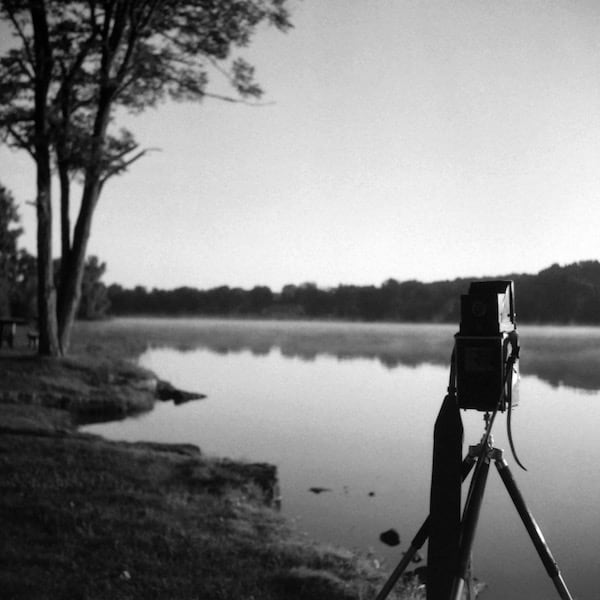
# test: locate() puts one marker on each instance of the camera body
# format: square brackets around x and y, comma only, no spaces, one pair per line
[486,340]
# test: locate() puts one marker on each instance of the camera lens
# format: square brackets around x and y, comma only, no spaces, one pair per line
[479,308]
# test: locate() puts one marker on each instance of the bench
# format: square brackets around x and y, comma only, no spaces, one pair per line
[33,337]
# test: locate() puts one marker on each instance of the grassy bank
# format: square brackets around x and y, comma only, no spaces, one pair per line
[85,518]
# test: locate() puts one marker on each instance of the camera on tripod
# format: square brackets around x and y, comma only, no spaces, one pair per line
[486,347]
[483,376]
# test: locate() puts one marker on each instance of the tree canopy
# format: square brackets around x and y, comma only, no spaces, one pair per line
[559,295]
[71,66]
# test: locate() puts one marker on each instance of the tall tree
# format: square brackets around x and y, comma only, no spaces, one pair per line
[72,65]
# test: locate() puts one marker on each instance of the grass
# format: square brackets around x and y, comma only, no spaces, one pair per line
[85,518]
[87,387]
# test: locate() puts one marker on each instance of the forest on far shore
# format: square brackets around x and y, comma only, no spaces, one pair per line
[559,294]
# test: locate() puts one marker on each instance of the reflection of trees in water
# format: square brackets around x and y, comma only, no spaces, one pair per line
[558,355]
[397,353]
[560,362]
[583,374]
[563,356]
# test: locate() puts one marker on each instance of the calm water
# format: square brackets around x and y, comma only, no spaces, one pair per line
[351,408]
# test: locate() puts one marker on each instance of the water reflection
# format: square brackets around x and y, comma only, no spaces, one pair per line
[363,431]
[560,356]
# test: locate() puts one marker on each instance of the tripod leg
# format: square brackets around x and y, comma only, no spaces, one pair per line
[532,528]
[469,525]
[418,540]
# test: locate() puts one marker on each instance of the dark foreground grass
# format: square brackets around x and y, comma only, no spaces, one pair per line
[86,387]
[85,518]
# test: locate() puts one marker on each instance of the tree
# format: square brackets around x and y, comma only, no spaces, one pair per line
[260,298]
[72,65]
[24,291]
[94,294]
[9,256]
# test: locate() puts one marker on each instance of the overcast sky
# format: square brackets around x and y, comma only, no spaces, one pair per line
[405,139]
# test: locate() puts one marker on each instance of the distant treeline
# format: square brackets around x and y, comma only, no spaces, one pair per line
[569,294]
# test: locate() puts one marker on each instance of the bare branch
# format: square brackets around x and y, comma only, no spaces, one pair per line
[137,23]
[125,152]
[21,141]
[93,19]
[123,166]
[151,6]
[237,100]
[221,70]
[131,42]
[70,73]
[21,34]
[25,70]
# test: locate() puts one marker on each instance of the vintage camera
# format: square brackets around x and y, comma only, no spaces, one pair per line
[486,347]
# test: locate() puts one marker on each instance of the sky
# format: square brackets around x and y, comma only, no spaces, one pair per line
[405,139]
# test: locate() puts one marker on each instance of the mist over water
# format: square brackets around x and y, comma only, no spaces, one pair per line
[351,407]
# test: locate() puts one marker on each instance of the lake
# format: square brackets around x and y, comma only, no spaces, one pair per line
[350,407]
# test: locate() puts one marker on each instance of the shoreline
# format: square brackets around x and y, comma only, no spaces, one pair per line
[87,517]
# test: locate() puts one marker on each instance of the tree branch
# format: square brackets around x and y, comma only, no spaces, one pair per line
[237,100]
[21,34]
[137,23]
[21,141]
[25,70]
[123,166]
[93,19]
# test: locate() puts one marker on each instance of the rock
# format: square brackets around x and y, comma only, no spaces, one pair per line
[420,573]
[319,490]
[166,391]
[390,537]
[182,449]
[147,384]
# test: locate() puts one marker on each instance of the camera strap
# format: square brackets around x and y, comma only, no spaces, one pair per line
[510,370]
[445,499]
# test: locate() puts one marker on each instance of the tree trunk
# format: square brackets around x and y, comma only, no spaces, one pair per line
[47,324]
[48,342]
[72,270]
[65,202]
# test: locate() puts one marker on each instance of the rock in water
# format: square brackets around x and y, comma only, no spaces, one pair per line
[390,537]
[165,391]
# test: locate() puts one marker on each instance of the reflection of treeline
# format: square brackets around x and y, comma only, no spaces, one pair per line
[569,294]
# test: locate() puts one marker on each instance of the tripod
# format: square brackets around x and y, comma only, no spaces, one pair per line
[480,457]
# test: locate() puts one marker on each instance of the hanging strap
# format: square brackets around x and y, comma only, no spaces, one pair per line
[444,515]
[510,370]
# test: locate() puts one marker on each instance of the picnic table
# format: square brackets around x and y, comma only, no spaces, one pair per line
[8,329]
